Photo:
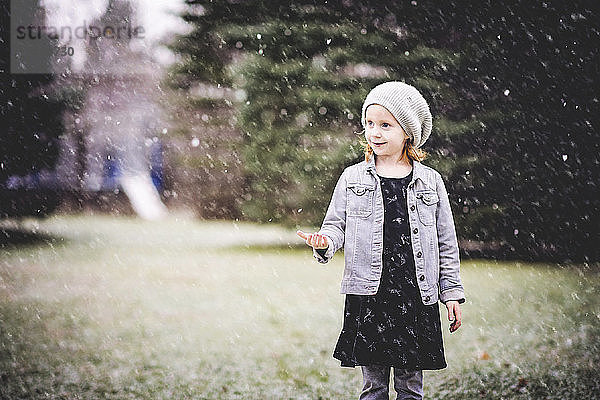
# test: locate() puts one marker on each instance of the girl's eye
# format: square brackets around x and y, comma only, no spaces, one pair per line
[385,125]
[370,123]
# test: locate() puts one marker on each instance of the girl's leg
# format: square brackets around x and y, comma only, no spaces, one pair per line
[408,384]
[376,382]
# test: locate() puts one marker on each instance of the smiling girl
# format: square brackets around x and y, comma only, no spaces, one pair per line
[392,216]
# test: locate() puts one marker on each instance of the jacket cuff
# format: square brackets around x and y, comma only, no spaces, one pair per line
[456,294]
[323,255]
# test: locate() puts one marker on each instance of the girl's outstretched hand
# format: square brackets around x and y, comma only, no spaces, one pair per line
[314,240]
[454,314]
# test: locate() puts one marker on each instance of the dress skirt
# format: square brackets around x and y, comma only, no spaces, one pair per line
[393,327]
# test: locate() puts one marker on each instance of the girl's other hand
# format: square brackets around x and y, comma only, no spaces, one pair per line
[315,240]
[454,315]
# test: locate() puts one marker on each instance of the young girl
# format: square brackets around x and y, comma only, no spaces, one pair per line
[392,216]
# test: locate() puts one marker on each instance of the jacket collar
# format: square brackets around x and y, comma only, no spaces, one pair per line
[417,172]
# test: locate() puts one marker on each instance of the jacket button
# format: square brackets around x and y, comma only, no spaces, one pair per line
[412,208]
[422,278]
[419,254]
[427,298]
[415,230]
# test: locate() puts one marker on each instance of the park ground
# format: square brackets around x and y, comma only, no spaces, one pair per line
[103,307]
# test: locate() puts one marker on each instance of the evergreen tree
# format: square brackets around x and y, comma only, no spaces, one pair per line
[305,69]
[532,183]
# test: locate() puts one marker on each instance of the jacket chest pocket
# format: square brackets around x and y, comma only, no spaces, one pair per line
[359,200]
[426,206]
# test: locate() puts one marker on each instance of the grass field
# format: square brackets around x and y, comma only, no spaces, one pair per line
[98,307]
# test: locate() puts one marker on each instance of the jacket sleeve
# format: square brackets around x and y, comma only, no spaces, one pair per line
[450,283]
[334,223]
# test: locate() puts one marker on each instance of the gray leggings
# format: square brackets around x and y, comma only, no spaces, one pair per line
[376,382]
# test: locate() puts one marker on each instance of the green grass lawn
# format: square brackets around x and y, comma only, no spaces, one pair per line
[118,308]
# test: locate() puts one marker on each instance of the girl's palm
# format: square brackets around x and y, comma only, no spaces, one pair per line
[315,240]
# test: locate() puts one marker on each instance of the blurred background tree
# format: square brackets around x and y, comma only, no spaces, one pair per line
[512,87]
[537,66]
[31,116]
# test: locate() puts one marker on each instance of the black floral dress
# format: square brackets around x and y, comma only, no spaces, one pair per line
[392,327]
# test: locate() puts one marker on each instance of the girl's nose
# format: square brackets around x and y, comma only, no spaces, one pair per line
[375,132]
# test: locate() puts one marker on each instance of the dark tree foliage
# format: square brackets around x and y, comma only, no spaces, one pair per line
[537,64]
[30,124]
[512,86]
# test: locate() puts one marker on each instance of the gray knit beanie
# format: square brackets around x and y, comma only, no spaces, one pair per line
[406,104]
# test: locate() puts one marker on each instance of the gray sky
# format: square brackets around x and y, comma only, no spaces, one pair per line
[159,19]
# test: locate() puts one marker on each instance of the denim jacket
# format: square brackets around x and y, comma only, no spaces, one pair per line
[354,220]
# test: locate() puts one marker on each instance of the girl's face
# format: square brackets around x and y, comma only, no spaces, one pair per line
[384,133]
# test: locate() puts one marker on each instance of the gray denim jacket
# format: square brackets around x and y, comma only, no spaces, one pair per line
[354,220]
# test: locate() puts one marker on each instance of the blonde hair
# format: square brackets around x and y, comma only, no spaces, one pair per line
[409,151]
